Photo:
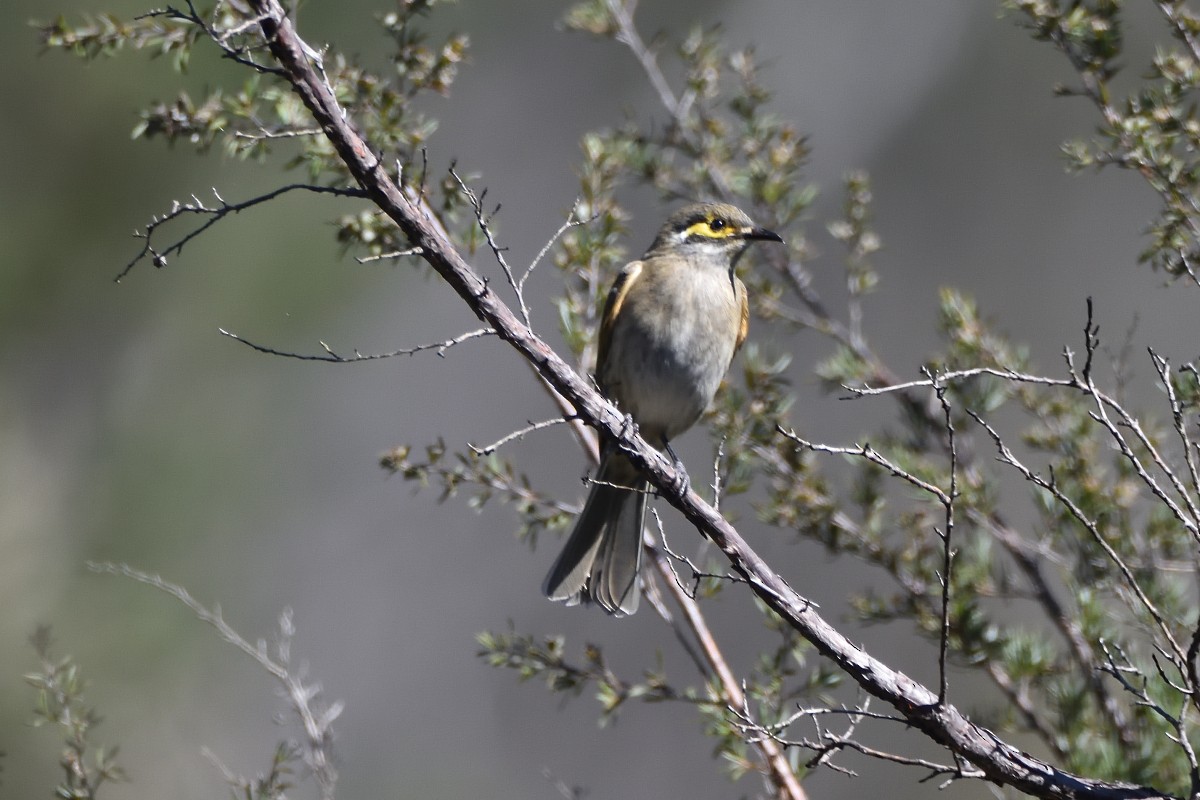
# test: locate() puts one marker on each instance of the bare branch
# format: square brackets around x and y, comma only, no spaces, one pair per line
[1187,444]
[829,744]
[936,770]
[718,457]
[316,718]
[395,254]
[1121,671]
[333,358]
[715,666]
[954,376]
[211,217]
[1188,514]
[221,38]
[571,222]
[1050,485]
[1027,557]
[266,135]
[1190,518]
[482,220]
[947,542]
[517,434]
[698,574]
[872,455]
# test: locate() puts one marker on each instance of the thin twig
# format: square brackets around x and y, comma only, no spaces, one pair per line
[1006,456]
[1190,518]
[1142,697]
[1105,405]
[872,455]
[817,711]
[394,255]
[571,222]
[947,543]
[214,215]
[315,719]
[221,38]
[266,135]
[718,457]
[333,358]
[698,574]
[829,743]
[517,434]
[955,376]
[1187,444]
[729,690]
[482,219]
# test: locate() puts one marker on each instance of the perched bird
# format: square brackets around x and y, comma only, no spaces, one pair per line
[672,324]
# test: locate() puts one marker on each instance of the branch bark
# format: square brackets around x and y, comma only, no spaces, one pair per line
[942,722]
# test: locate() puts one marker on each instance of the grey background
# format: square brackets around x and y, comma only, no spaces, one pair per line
[131,431]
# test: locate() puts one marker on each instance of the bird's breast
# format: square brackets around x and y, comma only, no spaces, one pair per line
[670,348]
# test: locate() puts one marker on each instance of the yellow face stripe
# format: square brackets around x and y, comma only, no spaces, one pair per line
[705,228]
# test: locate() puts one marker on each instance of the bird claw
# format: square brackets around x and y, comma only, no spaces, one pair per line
[628,426]
[683,482]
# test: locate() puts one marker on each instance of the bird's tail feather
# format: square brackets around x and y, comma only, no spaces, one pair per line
[603,554]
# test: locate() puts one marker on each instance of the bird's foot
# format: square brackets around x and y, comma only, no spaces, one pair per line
[683,482]
[628,426]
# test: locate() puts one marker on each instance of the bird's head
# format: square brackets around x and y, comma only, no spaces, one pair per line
[709,230]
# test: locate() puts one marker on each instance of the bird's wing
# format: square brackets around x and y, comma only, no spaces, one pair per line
[612,309]
[744,325]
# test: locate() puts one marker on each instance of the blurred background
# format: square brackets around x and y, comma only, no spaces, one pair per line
[130,430]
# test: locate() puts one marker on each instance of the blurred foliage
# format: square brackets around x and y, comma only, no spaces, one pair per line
[1153,130]
[60,702]
[481,477]
[1081,615]
[264,119]
[547,660]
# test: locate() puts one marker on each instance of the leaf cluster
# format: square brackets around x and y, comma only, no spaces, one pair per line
[60,702]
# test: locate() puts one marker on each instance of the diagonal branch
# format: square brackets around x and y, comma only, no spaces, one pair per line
[782,775]
[998,760]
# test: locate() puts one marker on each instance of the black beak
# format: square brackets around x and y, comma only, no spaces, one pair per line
[761,234]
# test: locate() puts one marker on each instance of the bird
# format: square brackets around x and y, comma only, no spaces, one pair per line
[672,323]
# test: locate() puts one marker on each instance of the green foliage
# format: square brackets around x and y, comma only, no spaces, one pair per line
[1153,130]
[60,702]
[749,411]
[547,660]
[278,779]
[263,117]
[855,233]
[590,255]
[106,35]
[483,477]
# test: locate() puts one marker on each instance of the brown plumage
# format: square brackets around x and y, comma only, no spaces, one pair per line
[672,323]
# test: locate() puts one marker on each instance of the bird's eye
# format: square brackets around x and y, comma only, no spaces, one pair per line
[717,224]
